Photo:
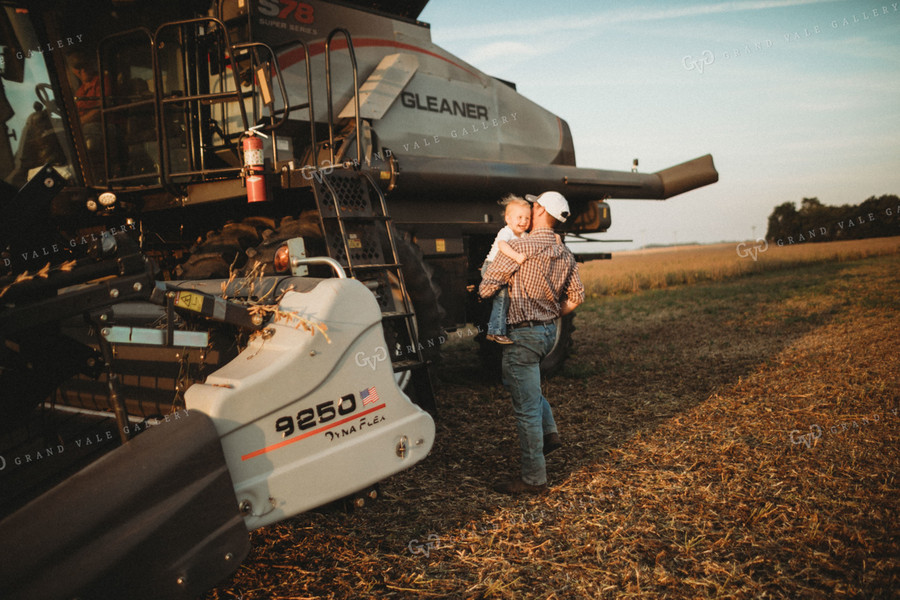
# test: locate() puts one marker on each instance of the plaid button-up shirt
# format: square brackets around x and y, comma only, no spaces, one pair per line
[537,286]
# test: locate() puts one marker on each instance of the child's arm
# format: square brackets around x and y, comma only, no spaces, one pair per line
[506,249]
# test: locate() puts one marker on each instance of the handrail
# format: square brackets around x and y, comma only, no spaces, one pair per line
[105,94]
[309,92]
[321,260]
[346,35]
[284,97]
[164,164]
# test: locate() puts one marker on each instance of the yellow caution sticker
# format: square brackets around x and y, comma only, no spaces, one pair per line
[189,301]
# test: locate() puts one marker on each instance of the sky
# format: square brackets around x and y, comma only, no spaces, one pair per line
[793,98]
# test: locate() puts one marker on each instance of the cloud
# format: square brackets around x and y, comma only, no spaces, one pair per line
[505,50]
[564,25]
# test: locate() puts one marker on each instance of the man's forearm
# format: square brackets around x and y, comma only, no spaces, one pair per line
[487,288]
[497,275]
[567,306]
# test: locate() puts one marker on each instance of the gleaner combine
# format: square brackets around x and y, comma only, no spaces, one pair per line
[249,223]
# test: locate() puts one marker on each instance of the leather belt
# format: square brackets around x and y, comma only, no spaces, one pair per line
[530,324]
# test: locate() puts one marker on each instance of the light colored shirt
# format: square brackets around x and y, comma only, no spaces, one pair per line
[507,235]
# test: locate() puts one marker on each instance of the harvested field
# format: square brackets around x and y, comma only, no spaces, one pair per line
[736,439]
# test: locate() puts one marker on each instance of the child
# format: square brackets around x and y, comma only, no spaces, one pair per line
[517,215]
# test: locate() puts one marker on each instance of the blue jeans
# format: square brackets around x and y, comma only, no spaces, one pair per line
[497,322]
[522,376]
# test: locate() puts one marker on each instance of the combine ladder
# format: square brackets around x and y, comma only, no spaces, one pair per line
[359,235]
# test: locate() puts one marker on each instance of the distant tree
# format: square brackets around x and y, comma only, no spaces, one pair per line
[782,222]
[810,205]
[890,209]
[881,215]
[812,217]
[816,222]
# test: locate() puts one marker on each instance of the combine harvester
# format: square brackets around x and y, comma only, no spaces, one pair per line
[238,229]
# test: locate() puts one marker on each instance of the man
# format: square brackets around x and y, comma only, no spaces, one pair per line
[87,96]
[87,102]
[541,289]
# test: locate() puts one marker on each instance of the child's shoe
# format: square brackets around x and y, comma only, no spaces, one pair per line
[500,339]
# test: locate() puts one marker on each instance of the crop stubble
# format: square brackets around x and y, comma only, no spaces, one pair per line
[733,439]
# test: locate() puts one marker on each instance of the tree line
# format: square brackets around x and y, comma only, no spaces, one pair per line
[816,222]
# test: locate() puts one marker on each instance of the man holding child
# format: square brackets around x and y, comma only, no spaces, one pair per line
[543,287]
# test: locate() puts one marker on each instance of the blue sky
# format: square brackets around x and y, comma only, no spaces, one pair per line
[793,98]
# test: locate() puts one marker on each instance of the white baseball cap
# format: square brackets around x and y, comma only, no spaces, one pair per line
[555,204]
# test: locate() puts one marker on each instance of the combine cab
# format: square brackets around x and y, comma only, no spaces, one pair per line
[232,236]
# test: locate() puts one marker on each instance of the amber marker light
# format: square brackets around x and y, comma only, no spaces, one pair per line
[282,260]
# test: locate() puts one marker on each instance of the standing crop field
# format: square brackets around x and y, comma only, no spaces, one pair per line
[729,439]
[664,267]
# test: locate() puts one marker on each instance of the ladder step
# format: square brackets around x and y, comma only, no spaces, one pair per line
[357,228]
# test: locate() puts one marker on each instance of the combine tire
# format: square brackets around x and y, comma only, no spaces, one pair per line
[423,294]
[305,226]
[221,251]
[238,246]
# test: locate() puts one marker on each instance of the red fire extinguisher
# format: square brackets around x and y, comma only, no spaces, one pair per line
[253,167]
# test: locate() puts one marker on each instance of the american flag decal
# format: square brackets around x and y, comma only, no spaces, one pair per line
[369,396]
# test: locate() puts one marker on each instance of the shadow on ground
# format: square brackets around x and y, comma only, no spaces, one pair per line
[660,382]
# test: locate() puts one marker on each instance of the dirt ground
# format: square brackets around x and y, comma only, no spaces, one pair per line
[729,440]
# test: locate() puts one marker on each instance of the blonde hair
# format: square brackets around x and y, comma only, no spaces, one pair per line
[513,200]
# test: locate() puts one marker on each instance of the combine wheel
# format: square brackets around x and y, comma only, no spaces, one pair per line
[305,226]
[238,246]
[214,257]
[423,294]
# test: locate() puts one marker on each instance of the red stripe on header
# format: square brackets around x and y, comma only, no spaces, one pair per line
[289,441]
[292,57]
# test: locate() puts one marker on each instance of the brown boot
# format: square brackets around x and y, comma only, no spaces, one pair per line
[517,486]
[551,443]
